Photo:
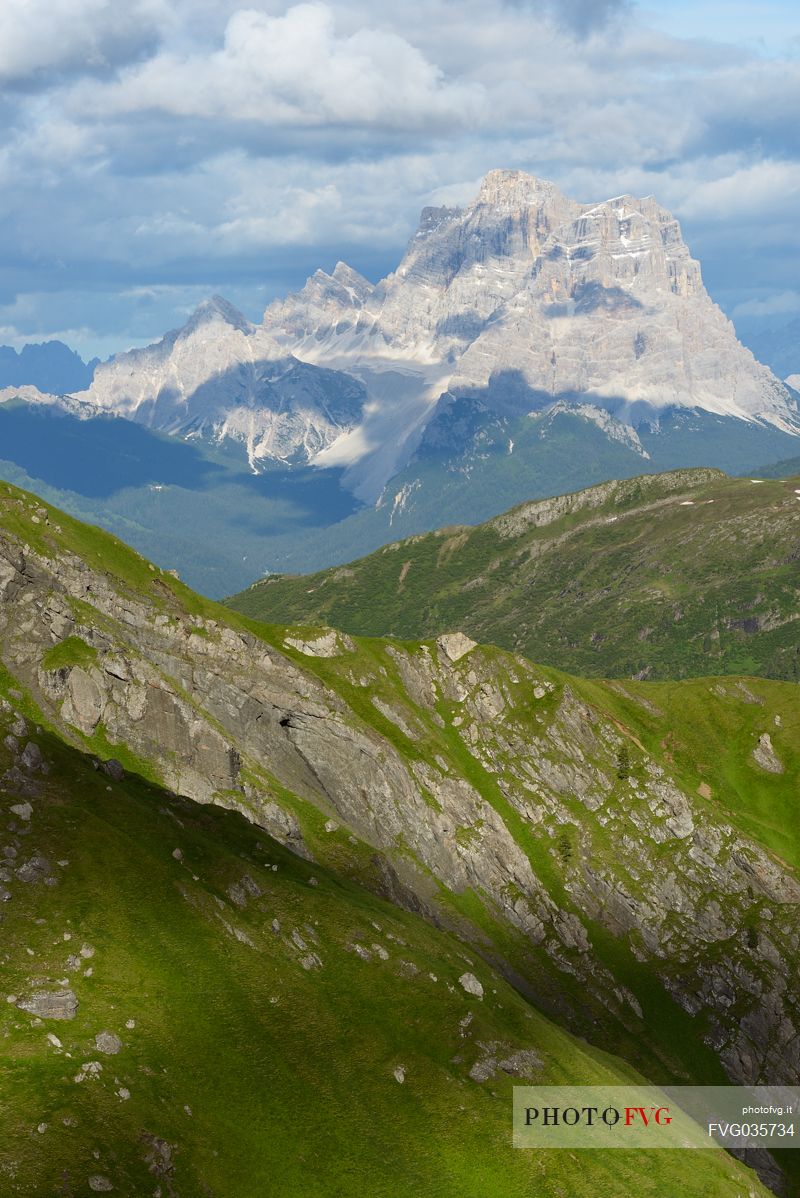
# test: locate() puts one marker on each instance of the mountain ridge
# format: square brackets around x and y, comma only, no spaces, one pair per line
[220,376]
[526,345]
[146,1081]
[627,578]
[49,366]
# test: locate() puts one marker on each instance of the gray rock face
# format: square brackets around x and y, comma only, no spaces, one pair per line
[85,702]
[50,1004]
[31,757]
[765,755]
[35,869]
[524,1063]
[327,644]
[470,983]
[221,376]
[455,645]
[113,769]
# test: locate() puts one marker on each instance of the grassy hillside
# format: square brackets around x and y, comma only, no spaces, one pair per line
[704,729]
[583,839]
[257,1050]
[663,576]
[198,507]
[786,468]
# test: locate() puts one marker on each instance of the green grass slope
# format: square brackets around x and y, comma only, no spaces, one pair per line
[663,576]
[186,933]
[157,888]
[191,506]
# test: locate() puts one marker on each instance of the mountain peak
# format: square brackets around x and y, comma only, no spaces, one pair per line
[214,310]
[349,277]
[515,189]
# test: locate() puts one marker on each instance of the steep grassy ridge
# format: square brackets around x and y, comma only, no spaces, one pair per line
[663,576]
[264,1011]
[622,852]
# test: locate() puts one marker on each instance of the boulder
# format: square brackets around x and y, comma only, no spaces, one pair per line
[455,645]
[50,1004]
[470,983]
[108,1043]
[765,756]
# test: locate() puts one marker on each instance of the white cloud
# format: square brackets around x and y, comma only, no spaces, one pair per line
[757,190]
[51,34]
[293,69]
[785,302]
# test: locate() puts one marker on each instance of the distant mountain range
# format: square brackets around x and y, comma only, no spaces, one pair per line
[221,377]
[50,366]
[523,302]
[525,346]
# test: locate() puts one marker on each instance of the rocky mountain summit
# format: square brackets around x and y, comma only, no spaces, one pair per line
[49,366]
[222,377]
[527,345]
[523,301]
[527,299]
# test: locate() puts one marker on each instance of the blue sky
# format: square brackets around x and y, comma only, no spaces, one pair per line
[768,27]
[154,153]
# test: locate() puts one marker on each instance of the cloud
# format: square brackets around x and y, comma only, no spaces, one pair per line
[584,16]
[293,69]
[165,146]
[581,17]
[38,35]
[758,191]
[785,302]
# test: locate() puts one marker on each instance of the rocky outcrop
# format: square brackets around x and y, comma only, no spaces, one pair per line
[455,645]
[542,512]
[765,756]
[327,644]
[108,1043]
